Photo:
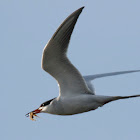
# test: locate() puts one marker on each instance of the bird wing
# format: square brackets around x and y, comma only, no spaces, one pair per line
[89,78]
[56,63]
[89,85]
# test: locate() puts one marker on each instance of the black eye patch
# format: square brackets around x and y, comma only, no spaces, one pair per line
[46,103]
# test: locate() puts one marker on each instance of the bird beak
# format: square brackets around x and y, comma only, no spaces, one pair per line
[37,111]
[34,112]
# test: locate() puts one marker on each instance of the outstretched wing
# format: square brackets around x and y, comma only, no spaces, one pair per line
[56,63]
[89,78]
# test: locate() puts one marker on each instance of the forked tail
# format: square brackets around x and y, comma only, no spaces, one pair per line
[125,97]
[121,97]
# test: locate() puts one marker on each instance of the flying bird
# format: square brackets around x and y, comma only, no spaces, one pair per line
[76,93]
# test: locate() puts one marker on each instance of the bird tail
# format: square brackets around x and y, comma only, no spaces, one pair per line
[120,97]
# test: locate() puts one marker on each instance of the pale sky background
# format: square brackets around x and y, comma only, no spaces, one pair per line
[106,39]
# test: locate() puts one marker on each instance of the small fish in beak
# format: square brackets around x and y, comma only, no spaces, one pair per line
[32,114]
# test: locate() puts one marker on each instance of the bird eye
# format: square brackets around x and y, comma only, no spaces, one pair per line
[41,105]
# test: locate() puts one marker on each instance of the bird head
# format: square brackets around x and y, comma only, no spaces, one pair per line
[42,108]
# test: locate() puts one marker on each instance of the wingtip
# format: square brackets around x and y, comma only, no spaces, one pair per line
[80,9]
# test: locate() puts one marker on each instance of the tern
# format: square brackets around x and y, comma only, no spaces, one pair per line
[76,93]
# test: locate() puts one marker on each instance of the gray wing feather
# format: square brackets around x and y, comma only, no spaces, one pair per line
[89,78]
[56,63]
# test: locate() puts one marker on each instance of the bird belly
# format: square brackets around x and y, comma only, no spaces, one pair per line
[75,105]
